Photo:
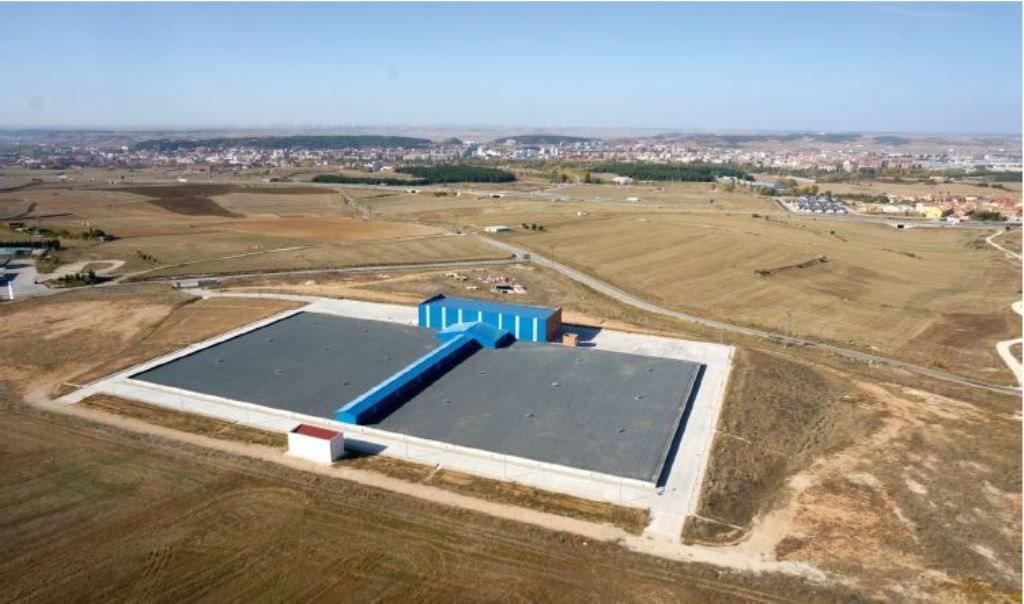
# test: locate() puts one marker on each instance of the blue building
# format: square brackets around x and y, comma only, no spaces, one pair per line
[526,323]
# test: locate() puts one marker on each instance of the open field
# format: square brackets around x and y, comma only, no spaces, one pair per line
[185,422]
[879,484]
[111,514]
[779,417]
[859,456]
[933,297]
[631,519]
[330,229]
[192,320]
[186,229]
[420,250]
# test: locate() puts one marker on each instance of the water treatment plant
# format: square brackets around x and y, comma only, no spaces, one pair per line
[482,387]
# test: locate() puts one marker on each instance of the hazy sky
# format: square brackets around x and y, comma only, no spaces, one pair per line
[877,67]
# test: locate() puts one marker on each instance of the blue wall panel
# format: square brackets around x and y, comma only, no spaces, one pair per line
[440,312]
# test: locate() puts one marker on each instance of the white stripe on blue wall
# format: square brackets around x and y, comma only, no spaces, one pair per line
[444,317]
[535,336]
[426,312]
[460,316]
[480,315]
[517,327]
[501,321]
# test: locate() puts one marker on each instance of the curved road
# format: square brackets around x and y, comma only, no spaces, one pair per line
[1005,349]
[627,298]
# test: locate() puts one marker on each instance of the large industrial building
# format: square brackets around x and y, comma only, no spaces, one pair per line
[486,376]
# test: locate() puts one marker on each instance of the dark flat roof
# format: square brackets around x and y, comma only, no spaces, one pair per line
[610,412]
[309,363]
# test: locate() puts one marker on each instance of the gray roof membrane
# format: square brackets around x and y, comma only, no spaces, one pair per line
[594,410]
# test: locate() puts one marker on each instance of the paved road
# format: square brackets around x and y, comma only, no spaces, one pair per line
[627,298]
[1005,350]
[378,268]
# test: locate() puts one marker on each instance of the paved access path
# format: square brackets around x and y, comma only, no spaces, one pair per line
[627,298]
[1005,349]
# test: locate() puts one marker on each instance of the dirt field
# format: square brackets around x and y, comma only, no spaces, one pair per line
[107,514]
[937,298]
[779,417]
[190,200]
[413,251]
[330,229]
[180,229]
[907,494]
[192,320]
[631,519]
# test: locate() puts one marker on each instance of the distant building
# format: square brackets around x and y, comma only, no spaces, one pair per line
[622,180]
[496,228]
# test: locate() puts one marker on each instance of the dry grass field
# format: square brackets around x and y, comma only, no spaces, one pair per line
[107,514]
[412,251]
[187,229]
[935,297]
[631,519]
[907,494]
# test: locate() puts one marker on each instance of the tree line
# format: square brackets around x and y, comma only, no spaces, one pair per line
[425,175]
[673,172]
[53,244]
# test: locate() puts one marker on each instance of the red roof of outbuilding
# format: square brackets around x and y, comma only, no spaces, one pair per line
[315,432]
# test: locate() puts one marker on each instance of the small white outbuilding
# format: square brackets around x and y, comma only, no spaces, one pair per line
[316,444]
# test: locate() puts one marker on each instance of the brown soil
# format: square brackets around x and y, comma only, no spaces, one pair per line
[194,320]
[186,422]
[779,416]
[631,519]
[190,200]
[108,514]
[330,230]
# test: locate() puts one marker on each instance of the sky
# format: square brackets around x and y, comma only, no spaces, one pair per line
[910,67]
